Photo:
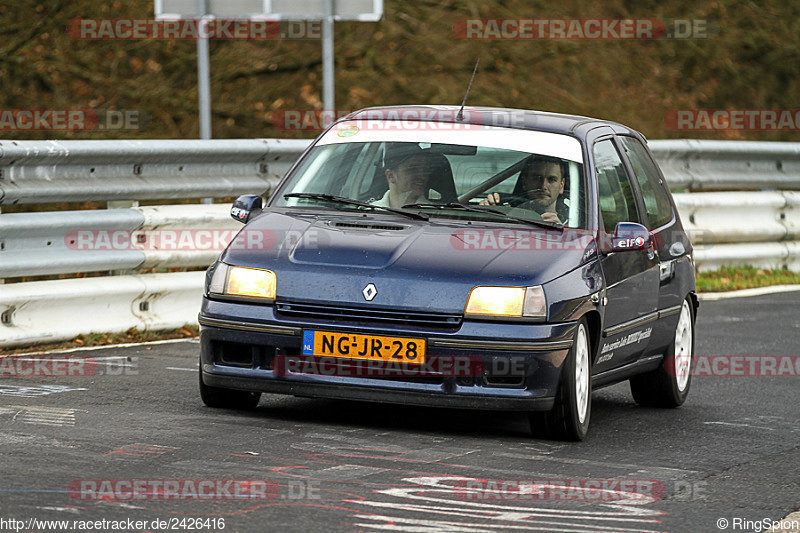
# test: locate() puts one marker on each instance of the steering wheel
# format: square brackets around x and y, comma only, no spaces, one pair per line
[514,201]
[507,198]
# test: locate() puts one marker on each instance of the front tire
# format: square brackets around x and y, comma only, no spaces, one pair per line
[668,385]
[569,418]
[227,398]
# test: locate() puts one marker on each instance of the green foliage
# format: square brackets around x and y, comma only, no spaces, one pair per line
[751,60]
[746,277]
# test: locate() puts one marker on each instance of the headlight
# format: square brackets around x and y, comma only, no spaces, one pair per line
[517,302]
[241,281]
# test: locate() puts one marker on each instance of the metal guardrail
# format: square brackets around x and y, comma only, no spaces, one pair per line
[740,217]
[773,255]
[725,227]
[66,171]
[60,171]
[758,228]
[700,165]
[50,311]
[65,242]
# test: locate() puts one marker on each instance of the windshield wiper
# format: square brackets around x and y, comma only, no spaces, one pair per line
[484,209]
[350,201]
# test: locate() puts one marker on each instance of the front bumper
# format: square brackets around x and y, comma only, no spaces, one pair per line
[242,346]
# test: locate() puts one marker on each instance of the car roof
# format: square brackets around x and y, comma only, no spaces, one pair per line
[575,125]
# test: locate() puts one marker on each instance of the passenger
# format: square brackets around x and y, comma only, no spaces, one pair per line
[408,171]
[541,182]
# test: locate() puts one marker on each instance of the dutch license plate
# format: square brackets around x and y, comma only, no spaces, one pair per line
[371,347]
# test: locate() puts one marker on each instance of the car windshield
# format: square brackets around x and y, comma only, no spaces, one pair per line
[505,173]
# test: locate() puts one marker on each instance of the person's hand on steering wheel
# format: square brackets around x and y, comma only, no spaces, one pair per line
[493,198]
[502,198]
[549,216]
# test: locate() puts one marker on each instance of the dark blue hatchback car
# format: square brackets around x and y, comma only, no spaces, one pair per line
[481,258]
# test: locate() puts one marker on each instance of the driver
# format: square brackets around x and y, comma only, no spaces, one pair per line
[408,171]
[541,182]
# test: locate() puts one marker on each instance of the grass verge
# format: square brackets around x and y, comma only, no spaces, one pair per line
[102,339]
[746,277]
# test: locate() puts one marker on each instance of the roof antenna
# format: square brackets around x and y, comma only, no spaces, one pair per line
[460,115]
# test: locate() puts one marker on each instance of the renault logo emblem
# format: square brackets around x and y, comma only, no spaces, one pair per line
[369,292]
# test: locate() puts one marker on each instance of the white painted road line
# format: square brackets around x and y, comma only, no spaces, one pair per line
[46,416]
[758,291]
[35,391]
[109,360]
[104,347]
[740,425]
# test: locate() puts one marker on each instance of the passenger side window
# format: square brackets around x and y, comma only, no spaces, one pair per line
[617,203]
[656,198]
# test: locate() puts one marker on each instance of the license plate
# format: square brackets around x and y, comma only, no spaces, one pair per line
[371,347]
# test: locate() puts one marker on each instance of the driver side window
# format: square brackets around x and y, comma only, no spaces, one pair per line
[617,203]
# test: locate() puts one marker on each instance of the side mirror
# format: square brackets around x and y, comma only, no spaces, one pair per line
[245,207]
[630,236]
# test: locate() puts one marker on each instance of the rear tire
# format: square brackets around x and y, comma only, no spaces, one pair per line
[668,385]
[569,418]
[227,398]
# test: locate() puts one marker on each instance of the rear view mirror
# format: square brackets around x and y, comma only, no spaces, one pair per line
[630,236]
[246,207]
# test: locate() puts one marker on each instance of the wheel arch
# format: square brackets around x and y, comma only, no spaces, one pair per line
[594,324]
[695,301]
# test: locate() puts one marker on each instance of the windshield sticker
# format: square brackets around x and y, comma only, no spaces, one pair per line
[348,131]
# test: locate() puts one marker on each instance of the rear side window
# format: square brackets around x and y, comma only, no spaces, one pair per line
[656,198]
[617,203]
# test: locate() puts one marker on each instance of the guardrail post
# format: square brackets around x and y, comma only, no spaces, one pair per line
[122,204]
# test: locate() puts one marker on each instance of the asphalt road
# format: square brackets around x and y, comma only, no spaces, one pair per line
[70,444]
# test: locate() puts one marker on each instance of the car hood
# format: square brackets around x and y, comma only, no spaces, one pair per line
[413,264]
